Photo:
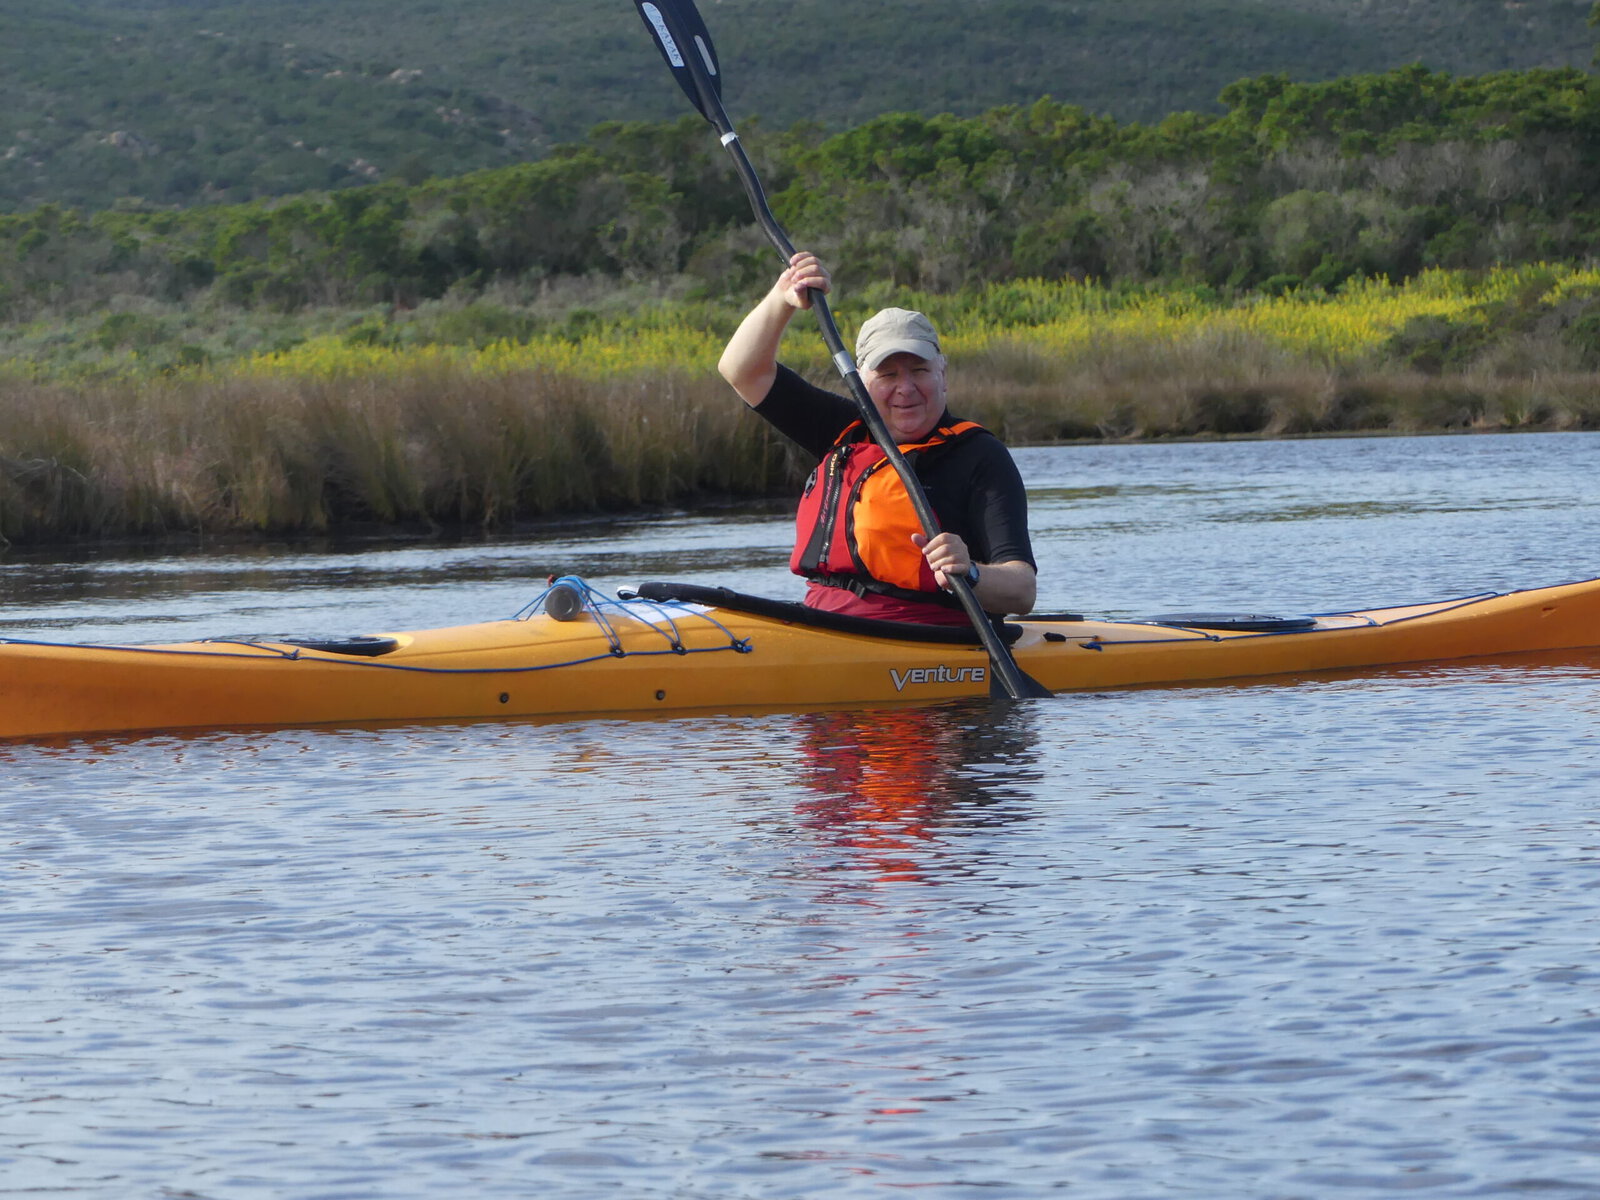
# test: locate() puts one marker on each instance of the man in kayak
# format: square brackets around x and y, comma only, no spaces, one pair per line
[858,541]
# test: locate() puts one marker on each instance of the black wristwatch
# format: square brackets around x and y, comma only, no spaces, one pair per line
[972,574]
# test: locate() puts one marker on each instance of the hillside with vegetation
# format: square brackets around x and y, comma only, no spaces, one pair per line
[1293,185]
[180,102]
[1404,250]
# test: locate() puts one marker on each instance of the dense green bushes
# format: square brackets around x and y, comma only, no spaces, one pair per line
[1295,184]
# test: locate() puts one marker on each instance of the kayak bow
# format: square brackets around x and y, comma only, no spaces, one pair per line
[675,647]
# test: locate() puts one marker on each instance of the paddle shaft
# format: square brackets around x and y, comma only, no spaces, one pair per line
[1011,679]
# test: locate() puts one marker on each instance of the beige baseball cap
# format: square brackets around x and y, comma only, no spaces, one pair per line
[895,331]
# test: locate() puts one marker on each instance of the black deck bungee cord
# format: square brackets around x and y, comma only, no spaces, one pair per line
[595,603]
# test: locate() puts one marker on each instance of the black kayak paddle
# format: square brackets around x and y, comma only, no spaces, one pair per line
[681,36]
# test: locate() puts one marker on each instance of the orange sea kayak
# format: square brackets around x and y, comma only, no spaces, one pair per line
[683,647]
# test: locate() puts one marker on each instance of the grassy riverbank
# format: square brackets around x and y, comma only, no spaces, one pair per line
[150,421]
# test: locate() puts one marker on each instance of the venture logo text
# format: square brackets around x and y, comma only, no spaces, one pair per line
[939,674]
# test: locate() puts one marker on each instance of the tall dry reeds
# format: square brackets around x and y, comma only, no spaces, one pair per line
[1231,385]
[220,453]
[446,445]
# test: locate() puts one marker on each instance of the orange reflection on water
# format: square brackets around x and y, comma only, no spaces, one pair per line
[888,782]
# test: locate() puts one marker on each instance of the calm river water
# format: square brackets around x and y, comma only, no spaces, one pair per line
[1319,937]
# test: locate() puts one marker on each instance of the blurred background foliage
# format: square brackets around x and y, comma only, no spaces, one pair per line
[180,102]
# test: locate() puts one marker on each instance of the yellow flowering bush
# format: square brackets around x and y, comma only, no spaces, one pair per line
[1052,319]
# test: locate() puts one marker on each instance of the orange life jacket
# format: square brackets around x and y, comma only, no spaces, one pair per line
[855,521]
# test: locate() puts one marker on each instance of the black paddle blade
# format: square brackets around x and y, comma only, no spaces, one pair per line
[679,32]
[1027,687]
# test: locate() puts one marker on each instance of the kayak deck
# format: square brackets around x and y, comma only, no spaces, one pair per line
[669,647]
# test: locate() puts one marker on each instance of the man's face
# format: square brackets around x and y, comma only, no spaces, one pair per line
[909,394]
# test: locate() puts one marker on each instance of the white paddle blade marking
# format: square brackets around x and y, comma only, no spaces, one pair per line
[705,55]
[664,35]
